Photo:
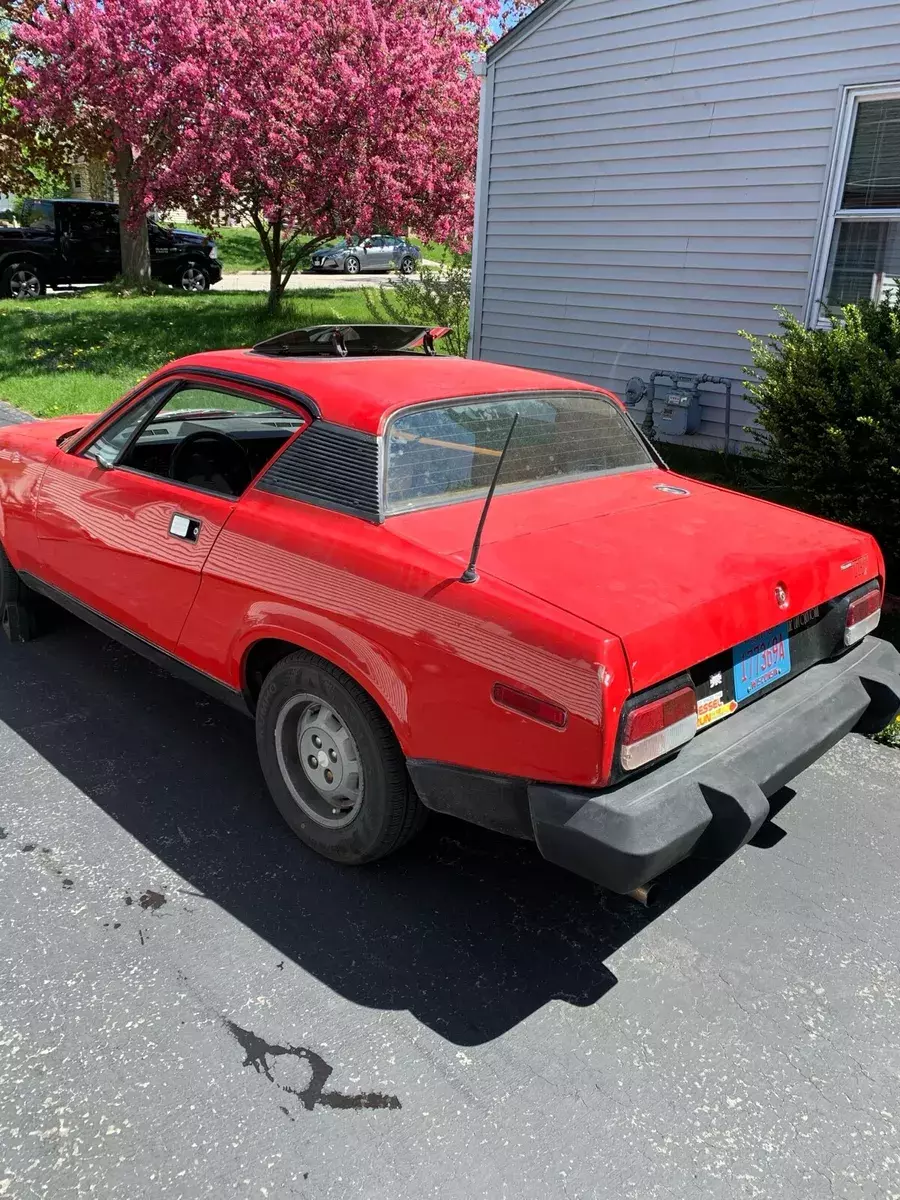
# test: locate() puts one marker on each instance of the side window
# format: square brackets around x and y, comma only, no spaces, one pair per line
[37,214]
[106,448]
[211,439]
[92,220]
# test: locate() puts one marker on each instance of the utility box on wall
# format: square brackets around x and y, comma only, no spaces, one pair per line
[671,403]
[676,413]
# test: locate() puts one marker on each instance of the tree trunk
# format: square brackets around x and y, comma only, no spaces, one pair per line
[133,239]
[275,291]
[275,255]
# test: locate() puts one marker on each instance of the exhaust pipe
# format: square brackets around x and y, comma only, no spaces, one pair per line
[644,894]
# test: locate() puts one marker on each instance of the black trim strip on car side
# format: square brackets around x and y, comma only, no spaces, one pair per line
[85,435]
[265,385]
[162,658]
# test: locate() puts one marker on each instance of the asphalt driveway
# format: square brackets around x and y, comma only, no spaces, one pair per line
[192,1005]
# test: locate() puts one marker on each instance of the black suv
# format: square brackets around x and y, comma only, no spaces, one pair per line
[77,241]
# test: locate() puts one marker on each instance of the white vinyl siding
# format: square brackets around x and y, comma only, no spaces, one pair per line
[654,179]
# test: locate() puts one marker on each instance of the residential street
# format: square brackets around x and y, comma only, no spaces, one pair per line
[193,1005]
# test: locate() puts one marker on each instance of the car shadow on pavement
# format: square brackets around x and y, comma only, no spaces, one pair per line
[470,931]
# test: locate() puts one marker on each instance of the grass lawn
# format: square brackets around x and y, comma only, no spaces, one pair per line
[240,250]
[78,353]
[238,247]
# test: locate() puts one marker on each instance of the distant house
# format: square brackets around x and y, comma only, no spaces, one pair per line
[654,177]
[91,180]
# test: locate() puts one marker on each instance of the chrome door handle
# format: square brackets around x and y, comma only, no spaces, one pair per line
[186,528]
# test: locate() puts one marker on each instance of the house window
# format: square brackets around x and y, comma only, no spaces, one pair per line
[76,182]
[860,245]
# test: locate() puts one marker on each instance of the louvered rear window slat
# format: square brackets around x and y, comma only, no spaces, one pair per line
[331,466]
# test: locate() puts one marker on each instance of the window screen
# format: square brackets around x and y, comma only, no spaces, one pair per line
[864,257]
[865,261]
[451,451]
[873,169]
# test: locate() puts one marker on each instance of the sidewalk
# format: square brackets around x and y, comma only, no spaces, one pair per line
[258,281]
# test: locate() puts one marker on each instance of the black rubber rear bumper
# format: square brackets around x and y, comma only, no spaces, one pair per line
[713,796]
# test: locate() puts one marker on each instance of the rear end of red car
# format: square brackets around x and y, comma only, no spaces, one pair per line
[742,632]
[697,757]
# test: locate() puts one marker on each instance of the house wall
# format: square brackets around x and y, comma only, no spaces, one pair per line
[91,180]
[652,179]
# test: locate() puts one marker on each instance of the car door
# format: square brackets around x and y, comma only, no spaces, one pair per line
[127,542]
[377,257]
[163,248]
[89,241]
[395,249]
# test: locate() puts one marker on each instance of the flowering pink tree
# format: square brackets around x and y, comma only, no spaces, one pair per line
[306,117]
[338,117]
[121,79]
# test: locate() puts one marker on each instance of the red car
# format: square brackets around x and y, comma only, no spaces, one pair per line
[618,662]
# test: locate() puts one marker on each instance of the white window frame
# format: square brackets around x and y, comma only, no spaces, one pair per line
[850,102]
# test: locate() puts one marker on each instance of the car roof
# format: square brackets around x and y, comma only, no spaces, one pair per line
[71,200]
[363,392]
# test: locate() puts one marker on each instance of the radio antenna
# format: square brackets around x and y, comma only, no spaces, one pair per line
[470,575]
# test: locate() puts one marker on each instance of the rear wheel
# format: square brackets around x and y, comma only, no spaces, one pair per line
[332,763]
[23,281]
[18,605]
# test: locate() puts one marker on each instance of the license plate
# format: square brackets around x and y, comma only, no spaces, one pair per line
[761,661]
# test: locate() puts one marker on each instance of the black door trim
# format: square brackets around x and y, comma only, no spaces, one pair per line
[162,658]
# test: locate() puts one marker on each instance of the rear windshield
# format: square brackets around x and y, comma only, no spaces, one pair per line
[450,451]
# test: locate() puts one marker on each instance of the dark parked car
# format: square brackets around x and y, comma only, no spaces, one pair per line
[378,253]
[77,241]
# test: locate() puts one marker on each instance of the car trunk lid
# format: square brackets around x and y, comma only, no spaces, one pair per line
[680,571]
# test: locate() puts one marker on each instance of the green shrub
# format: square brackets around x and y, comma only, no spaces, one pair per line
[829,403]
[440,296]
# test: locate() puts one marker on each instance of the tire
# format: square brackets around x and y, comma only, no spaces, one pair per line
[18,605]
[193,277]
[373,809]
[407,265]
[22,281]
[351,265]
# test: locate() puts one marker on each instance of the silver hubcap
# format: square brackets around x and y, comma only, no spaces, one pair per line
[319,761]
[25,285]
[406,267]
[193,280]
[352,266]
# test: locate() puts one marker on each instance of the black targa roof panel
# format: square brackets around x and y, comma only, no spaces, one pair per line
[343,340]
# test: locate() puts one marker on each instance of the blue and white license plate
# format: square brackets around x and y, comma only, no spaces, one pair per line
[761,661]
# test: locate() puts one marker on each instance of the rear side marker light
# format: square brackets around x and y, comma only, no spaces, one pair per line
[530,706]
[863,615]
[659,727]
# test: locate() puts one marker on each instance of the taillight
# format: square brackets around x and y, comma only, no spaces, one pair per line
[659,727]
[863,615]
[530,706]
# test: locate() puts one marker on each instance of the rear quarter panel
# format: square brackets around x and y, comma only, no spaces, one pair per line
[427,648]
